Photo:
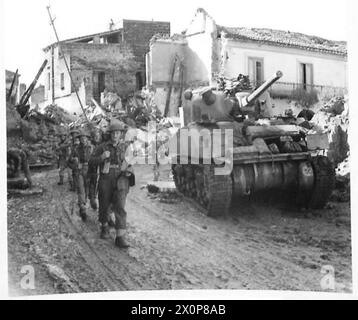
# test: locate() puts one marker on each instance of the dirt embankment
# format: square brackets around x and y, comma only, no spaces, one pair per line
[260,245]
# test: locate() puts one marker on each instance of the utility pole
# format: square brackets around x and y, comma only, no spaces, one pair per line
[64,58]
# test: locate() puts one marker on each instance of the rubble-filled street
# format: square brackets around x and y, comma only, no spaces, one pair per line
[205,154]
[259,245]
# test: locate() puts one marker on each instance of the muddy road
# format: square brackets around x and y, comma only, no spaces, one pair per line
[259,245]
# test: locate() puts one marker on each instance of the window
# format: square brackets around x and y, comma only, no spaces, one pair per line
[256,71]
[306,75]
[139,80]
[48,81]
[101,81]
[62,81]
[99,84]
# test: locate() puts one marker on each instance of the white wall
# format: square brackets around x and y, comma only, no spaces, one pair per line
[59,67]
[199,56]
[70,102]
[161,58]
[63,98]
[328,70]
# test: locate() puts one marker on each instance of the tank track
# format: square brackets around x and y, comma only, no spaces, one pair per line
[324,182]
[199,182]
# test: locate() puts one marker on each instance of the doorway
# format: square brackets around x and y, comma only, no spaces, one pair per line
[306,75]
[99,84]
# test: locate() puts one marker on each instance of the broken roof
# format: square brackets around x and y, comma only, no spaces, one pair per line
[103,34]
[285,39]
[83,38]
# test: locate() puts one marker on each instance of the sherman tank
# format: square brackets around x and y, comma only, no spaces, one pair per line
[226,150]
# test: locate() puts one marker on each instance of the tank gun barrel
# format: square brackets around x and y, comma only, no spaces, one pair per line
[247,100]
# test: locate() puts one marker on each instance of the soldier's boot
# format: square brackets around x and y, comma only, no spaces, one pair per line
[104,232]
[93,203]
[83,214]
[120,241]
[71,184]
[111,220]
[60,183]
[74,185]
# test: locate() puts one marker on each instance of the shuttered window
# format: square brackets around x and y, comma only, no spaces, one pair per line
[256,71]
[62,81]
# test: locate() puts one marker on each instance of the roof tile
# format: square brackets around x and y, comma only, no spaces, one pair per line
[286,38]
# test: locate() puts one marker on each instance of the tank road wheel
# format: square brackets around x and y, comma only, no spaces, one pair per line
[323,184]
[217,192]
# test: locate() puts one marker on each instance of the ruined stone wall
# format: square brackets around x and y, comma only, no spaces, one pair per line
[137,35]
[115,60]
[86,61]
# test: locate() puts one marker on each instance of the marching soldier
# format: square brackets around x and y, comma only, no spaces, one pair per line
[75,143]
[116,176]
[17,160]
[64,151]
[93,170]
[79,158]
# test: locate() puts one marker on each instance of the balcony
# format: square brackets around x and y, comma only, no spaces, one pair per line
[293,91]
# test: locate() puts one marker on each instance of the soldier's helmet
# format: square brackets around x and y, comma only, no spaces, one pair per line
[76,135]
[117,125]
[74,131]
[84,133]
[61,132]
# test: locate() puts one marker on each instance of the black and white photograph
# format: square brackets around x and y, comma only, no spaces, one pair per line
[162,146]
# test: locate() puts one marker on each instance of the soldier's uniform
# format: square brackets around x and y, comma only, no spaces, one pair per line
[17,160]
[79,158]
[74,144]
[93,171]
[116,176]
[64,151]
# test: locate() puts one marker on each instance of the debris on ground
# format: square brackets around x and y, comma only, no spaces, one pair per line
[332,120]
[335,106]
[161,186]
[34,191]
[342,190]
[61,281]
[234,85]
[174,246]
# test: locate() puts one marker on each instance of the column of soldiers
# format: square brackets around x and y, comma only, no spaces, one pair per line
[99,170]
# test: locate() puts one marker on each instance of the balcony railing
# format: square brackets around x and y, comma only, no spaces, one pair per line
[288,90]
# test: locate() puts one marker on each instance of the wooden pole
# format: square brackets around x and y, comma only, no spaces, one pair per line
[65,60]
[12,85]
[26,96]
[167,103]
[181,77]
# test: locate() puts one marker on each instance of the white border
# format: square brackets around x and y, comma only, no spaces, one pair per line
[352,14]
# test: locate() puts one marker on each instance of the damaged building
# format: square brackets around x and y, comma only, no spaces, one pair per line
[14,89]
[114,60]
[206,50]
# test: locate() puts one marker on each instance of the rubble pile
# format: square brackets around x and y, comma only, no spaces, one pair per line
[58,115]
[36,133]
[136,110]
[333,119]
[232,86]
[335,106]
[342,192]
